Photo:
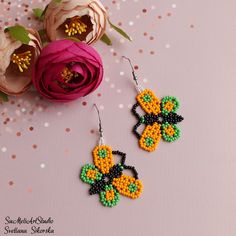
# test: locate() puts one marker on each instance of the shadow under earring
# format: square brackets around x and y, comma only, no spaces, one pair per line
[106,178]
[160,117]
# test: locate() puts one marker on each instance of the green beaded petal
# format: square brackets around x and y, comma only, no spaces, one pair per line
[110,203]
[84,176]
[166,99]
[165,136]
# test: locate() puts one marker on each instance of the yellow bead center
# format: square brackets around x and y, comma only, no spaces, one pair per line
[75,26]
[22,60]
[170,130]
[67,75]
[169,106]
[91,174]
[110,195]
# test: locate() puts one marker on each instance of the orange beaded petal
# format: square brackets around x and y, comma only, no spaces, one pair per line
[169,106]
[153,132]
[103,163]
[91,174]
[153,106]
[122,185]
[170,130]
[110,195]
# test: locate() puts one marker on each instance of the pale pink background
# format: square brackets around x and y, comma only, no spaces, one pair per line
[189,185]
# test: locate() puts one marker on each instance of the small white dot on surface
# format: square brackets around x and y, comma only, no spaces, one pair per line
[42,165]
[112,85]
[118,90]
[23,110]
[122,73]
[3,149]
[137,16]
[107,79]
[112,50]
[131,23]
[173,5]
[145,80]
[167,45]
[46,124]
[121,106]
[101,107]
[153,7]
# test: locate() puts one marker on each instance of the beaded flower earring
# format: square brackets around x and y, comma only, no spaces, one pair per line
[160,117]
[106,178]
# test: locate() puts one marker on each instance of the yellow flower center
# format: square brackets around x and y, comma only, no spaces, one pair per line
[67,75]
[22,60]
[110,195]
[169,130]
[75,26]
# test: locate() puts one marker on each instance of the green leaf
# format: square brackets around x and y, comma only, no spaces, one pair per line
[120,31]
[105,39]
[43,35]
[18,32]
[38,13]
[3,97]
[57,1]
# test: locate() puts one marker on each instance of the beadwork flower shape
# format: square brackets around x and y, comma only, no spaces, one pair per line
[160,119]
[107,179]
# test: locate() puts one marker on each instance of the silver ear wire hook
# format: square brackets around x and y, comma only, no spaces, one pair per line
[139,88]
[101,139]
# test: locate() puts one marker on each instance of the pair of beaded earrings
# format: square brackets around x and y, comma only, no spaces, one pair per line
[105,177]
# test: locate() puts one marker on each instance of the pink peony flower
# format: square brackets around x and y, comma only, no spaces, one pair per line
[67,70]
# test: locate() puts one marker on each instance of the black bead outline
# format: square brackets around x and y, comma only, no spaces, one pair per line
[150,119]
[114,172]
